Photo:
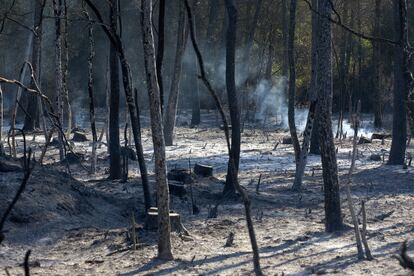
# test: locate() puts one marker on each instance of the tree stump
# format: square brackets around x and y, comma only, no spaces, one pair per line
[79,137]
[151,221]
[177,188]
[203,170]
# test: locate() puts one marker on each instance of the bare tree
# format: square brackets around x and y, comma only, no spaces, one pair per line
[400,92]
[333,221]
[164,227]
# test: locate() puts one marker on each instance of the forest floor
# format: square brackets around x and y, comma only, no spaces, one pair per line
[77,223]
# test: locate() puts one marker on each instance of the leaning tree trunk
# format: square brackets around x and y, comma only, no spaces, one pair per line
[164,227]
[114,145]
[58,11]
[309,131]
[31,120]
[171,110]
[399,118]
[333,218]
[292,81]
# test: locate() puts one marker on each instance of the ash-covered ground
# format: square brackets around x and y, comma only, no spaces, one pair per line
[76,223]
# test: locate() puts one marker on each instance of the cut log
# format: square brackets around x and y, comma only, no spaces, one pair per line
[151,221]
[364,140]
[380,136]
[203,170]
[181,175]
[375,157]
[177,188]
[79,137]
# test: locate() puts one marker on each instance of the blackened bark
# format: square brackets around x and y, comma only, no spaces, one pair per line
[399,122]
[235,134]
[232,98]
[114,145]
[164,227]
[171,110]
[333,219]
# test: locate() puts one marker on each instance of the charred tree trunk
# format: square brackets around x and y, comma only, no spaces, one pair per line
[171,110]
[399,121]
[292,81]
[232,173]
[333,219]
[114,144]
[31,120]
[164,227]
[314,131]
[408,53]
[232,98]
